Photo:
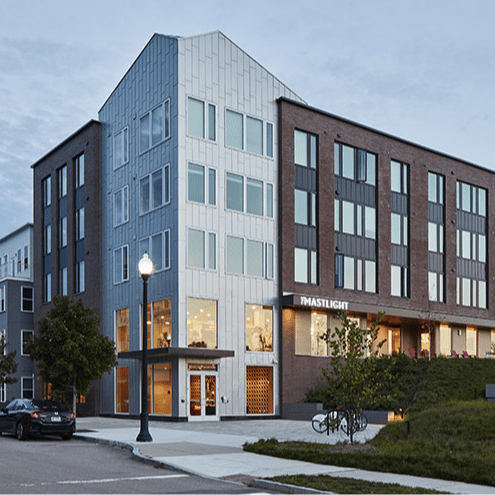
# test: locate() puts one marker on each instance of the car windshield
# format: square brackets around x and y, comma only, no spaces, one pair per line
[49,405]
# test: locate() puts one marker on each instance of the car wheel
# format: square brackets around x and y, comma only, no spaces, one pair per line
[66,436]
[20,431]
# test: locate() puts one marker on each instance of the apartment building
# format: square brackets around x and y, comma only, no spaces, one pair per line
[189,176]
[67,223]
[16,308]
[368,223]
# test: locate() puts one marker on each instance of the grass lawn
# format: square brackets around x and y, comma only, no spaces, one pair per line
[451,440]
[347,485]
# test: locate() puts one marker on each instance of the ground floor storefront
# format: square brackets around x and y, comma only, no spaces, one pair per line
[305,320]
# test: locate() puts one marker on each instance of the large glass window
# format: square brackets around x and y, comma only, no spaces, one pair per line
[160,324]
[122,330]
[196,118]
[122,389]
[254,258]
[196,249]
[234,129]
[154,190]
[26,339]
[254,135]
[305,149]
[121,264]
[254,196]
[309,329]
[160,389]
[196,183]
[259,328]
[202,323]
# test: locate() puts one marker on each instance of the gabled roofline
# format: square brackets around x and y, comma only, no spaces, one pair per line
[44,157]
[382,133]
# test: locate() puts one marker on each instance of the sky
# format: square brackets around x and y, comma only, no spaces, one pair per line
[421,70]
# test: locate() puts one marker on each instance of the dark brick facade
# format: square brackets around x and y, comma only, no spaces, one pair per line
[86,140]
[301,372]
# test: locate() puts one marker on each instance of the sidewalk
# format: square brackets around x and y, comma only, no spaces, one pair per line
[214,449]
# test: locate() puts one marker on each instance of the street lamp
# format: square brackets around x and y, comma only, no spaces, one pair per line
[145,269]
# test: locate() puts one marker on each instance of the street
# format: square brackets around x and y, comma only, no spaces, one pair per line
[50,465]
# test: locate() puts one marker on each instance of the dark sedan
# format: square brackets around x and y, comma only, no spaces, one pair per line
[25,417]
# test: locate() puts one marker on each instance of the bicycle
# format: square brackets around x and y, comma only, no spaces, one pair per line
[338,418]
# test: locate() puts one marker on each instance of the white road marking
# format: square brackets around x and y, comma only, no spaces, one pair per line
[108,480]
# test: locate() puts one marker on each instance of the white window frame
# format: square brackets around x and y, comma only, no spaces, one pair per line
[267,258]
[3,299]
[23,351]
[165,189]
[208,200]
[23,298]
[23,388]
[165,249]
[80,277]
[166,126]
[123,192]
[207,124]
[79,171]
[124,152]
[207,261]
[123,276]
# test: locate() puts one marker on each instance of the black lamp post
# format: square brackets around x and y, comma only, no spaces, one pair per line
[145,269]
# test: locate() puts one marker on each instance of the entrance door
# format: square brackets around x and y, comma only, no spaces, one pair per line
[203,395]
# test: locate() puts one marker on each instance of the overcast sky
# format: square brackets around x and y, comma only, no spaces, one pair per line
[422,70]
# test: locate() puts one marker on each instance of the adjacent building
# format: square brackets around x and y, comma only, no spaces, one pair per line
[368,223]
[16,308]
[67,224]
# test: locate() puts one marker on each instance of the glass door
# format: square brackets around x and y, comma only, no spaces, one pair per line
[202,395]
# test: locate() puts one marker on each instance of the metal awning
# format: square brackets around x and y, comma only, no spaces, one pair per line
[167,353]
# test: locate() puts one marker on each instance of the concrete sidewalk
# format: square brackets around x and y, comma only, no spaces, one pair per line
[214,449]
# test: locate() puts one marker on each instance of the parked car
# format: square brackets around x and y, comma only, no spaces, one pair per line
[25,417]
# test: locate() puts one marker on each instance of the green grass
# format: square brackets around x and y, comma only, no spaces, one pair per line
[347,485]
[454,441]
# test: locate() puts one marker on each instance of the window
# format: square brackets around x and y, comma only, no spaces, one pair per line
[305,207]
[121,148]
[399,177]
[269,261]
[160,390]
[27,387]
[309,328]
[2,299]
[436,287]
[198,251]
[47,287]
[234,129]
[399,229]
[62,181]
[305,266]
[259,328]
[154,127]
[399,281]
[79,224]
[62,281]
[235,255]
[471,199]
[202,323]
[47,239]
[269,200]
[246,133]
[27,299]
[154,190]
[198,121]
[254,196]
[159,324]
[122,389]
[26,339]
[235,192]
[354,164]
[254,135]
[435,237]
[254,258]
[26,257]
[198,189]
[121,264]
[305,149]
[79,170]
[80,277]
[122,330]
[47,192]
[62,232]
[158,248]
[121,206]
[355,274]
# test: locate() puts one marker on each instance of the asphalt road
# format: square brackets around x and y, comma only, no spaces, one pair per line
[51,465]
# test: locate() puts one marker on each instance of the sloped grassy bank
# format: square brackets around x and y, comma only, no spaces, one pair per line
[452,440]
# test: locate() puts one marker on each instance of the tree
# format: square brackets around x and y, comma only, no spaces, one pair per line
[8,366]
[352,381]
[69,349]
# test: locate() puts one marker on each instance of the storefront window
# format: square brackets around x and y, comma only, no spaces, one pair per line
[259,390]
[160,389]
[159,324]
[202,323]
[471,341]
[445,340]
[259,328]
[122,389]
[310,327]
[122,329]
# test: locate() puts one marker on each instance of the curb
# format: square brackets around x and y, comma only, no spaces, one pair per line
[275,486]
